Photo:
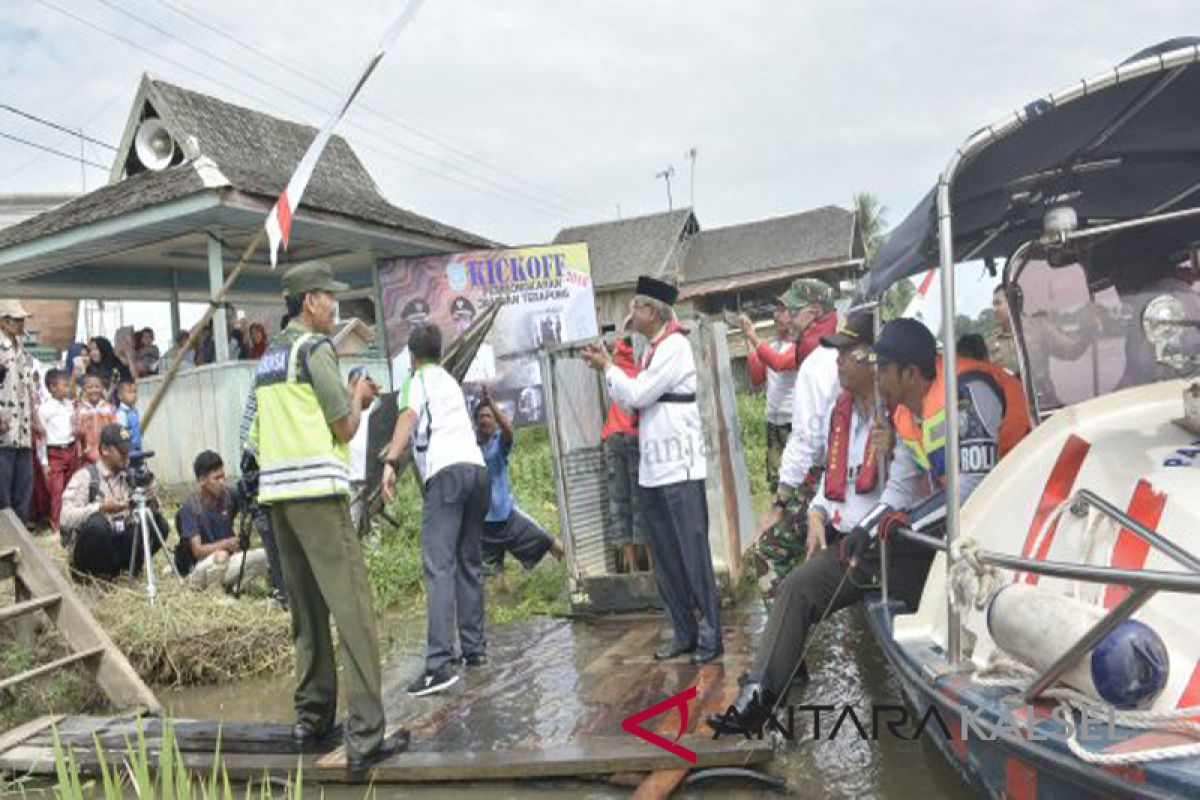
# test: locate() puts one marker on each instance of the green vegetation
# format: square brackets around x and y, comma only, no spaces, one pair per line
[752,413]
[70,687]
[139,774]
[394,563]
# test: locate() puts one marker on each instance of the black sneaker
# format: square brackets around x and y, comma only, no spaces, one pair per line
[475,660]
[433,682]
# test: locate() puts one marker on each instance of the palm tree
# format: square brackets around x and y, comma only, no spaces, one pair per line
[872,221]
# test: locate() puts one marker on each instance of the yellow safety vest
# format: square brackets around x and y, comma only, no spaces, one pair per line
[299,458]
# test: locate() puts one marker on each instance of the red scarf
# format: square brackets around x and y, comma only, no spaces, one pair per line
[672,327]
[838,462]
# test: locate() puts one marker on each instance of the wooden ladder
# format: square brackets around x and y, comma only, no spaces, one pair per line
[41,587]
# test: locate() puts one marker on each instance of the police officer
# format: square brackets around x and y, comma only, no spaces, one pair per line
[306,416]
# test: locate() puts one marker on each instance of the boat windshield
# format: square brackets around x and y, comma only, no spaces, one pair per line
[1077,315]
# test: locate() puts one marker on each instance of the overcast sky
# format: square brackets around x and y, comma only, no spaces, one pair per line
[513,119]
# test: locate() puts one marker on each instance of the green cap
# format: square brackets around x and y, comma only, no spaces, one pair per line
[311,276]
[807,291]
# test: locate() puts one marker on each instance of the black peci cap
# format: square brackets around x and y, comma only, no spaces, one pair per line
[859,328]
[659,290]
[906,341]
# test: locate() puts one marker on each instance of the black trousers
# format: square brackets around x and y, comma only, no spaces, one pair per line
[456,501]
[677,532]
[16,480]
[102,551]
[519,535]
[262,522]
[820,586]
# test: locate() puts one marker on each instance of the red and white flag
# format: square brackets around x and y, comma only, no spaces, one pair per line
[916,306]
[279,221]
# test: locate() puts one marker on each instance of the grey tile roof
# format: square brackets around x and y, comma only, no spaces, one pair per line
[141,190]
[622,249]
[821,235]
[256,152]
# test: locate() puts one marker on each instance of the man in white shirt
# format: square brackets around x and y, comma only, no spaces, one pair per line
[671,470]
[777,551]
[433,417]
[851,487]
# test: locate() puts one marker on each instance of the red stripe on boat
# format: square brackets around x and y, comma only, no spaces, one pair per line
[1131,550]
[1058,488]
[958,742]
[1191,694]
[1020,780]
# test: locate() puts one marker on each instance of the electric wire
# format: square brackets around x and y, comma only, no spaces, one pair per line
[536,204]
[53,151]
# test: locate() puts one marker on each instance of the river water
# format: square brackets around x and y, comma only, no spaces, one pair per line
[846,666]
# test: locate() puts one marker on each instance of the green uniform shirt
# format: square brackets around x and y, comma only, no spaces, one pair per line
[326,377]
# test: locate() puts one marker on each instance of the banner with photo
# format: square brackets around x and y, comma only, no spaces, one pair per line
[547,297]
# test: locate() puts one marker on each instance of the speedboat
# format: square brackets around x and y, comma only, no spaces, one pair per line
[1055,650]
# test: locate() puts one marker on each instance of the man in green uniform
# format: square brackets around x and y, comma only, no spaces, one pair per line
[305,419]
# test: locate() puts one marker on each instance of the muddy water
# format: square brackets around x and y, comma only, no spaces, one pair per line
[847,668]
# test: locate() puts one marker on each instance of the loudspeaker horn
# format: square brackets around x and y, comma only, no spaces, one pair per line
[153,144]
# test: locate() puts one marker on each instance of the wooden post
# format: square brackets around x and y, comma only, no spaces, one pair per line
[217,299]
[216,274]
[176,324]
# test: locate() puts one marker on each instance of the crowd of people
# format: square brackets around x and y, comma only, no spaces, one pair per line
[854,444]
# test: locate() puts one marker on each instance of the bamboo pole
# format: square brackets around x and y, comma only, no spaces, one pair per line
[194,334]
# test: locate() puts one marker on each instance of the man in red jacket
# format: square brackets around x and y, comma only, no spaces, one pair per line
[620,437]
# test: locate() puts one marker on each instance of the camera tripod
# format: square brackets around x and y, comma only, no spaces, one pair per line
[144,519]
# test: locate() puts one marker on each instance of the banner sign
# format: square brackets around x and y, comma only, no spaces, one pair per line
[547,298]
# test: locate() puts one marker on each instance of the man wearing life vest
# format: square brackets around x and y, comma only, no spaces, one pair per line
[993,418]
[305,417]
[852,484]
[816,383]
[671,470]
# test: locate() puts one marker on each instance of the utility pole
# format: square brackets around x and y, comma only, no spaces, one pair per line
[666,175]
[690,155]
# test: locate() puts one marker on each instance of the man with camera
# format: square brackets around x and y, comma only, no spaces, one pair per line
[97,510]
[209,552]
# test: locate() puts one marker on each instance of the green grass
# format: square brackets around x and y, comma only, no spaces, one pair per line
[752,413]
[397,576]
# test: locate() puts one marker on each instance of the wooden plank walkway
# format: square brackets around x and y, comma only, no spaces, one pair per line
[550,705]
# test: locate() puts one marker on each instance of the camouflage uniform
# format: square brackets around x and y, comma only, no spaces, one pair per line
[782,548]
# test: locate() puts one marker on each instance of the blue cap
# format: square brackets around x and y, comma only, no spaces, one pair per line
[905,341]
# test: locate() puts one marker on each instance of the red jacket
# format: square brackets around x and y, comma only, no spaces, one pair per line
[619,420]
[786,360]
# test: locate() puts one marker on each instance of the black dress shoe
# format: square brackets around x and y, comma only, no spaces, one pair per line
[358,764]
[308,739]
[746,715]
[672,651]
[704,656]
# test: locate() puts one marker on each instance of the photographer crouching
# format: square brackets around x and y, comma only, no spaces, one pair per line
[97,510]
[209,551]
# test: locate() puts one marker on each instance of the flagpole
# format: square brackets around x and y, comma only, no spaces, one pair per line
[278,224]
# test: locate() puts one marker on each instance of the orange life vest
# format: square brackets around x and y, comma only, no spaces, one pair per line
[927,439]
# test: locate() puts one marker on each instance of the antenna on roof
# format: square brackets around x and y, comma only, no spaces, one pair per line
[690,155]
[666,175]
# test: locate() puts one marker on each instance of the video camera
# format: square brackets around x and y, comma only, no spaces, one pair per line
[247,484]
[138,474]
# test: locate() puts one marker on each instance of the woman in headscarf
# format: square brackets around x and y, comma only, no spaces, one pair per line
[103,363]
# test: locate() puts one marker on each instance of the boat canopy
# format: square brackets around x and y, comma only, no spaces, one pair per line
[1121,146]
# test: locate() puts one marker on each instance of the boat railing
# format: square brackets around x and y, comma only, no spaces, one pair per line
[1144,584]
